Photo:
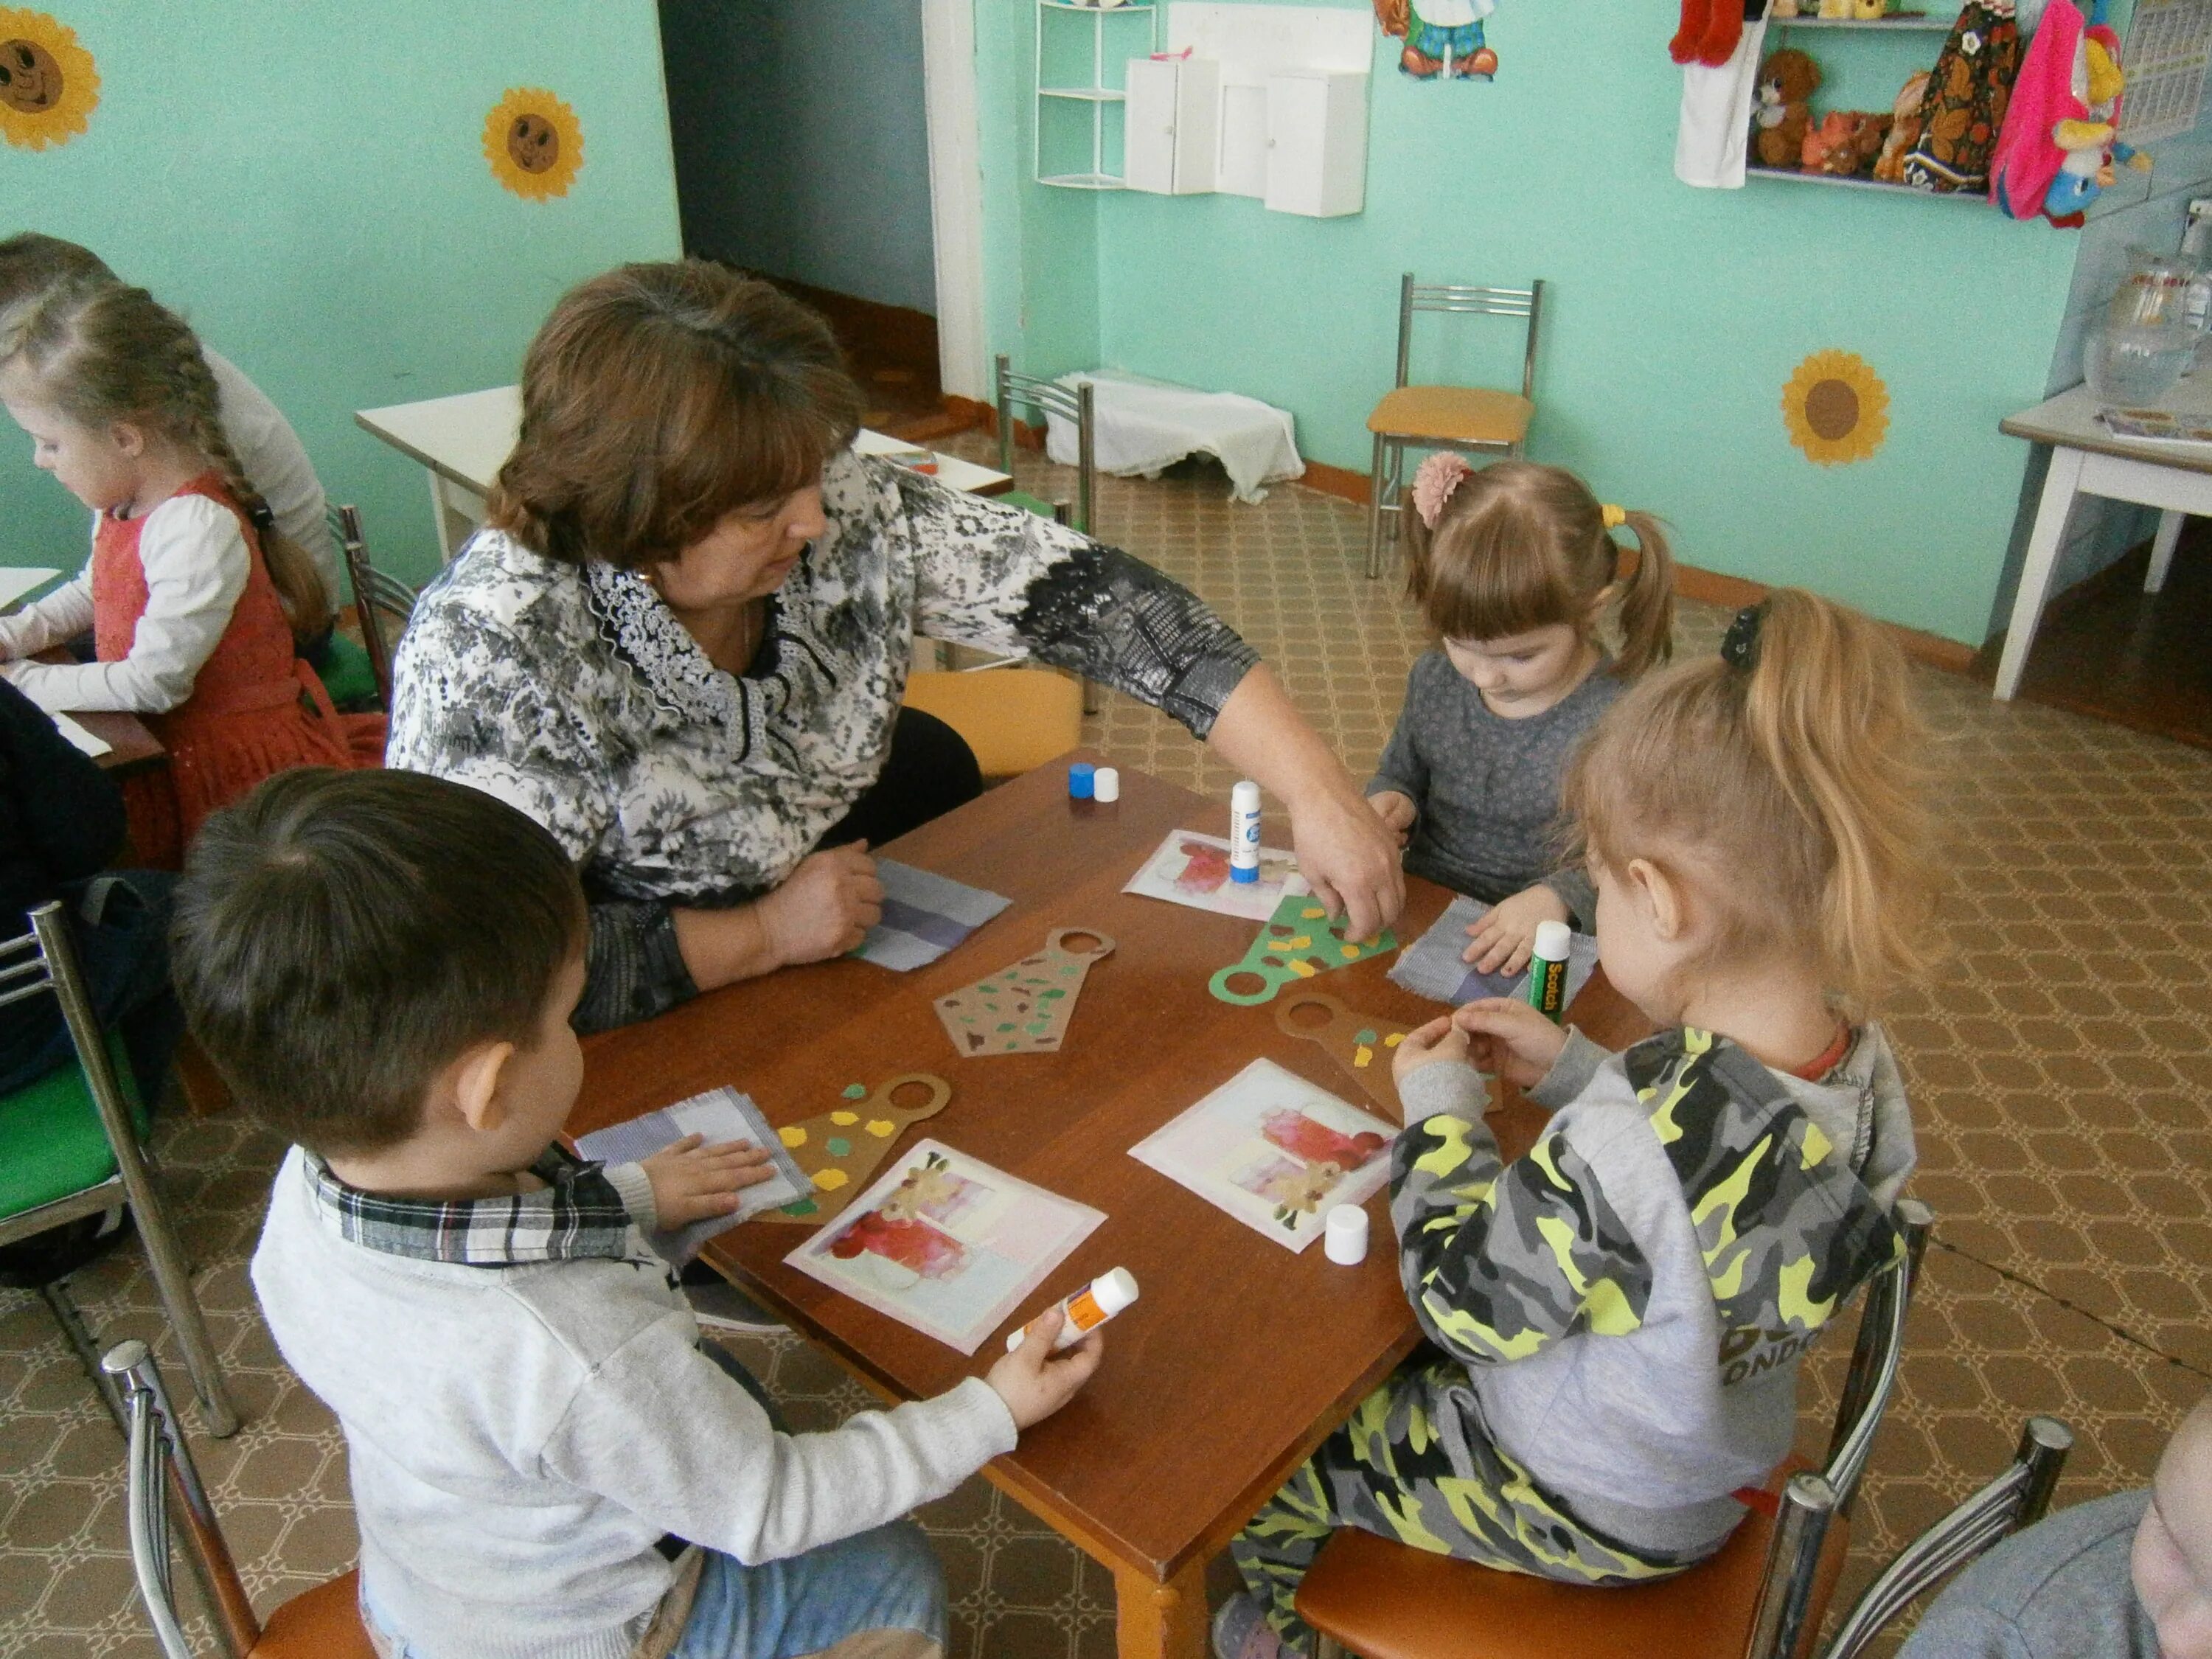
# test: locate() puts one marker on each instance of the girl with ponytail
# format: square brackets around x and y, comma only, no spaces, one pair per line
[1619,1315]
[196,603]
[1515,568]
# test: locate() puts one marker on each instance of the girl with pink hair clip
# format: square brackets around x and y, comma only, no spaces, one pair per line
[1515,568]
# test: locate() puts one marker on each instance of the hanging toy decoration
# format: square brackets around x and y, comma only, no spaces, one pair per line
[48,85]
[1444,38]
[2062,133]
[1968,93]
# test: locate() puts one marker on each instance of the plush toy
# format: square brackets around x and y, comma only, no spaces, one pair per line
[1443,37]
[1784,8]
[1710,33]
[1904,130]
[1782,107]
[2060,136]
[1868,11]
[1845,144]
[1835,8]
[1867,142]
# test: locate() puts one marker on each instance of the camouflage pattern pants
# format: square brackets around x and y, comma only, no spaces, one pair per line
[1388,1471]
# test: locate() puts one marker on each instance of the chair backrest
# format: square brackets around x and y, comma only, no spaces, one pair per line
[1461,297]
[2016,1498]
[1074,403]
[373,591]
[1810,1502]
[160,1466]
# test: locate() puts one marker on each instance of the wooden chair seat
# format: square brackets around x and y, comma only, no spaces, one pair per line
[323,1623]
[1453,413]
[1383,1600]
[1014,719]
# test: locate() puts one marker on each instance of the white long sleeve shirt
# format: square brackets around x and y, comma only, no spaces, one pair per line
[196,565]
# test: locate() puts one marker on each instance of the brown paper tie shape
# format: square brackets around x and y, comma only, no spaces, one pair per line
[839,1150]
[1362,1044]
[1023,1009]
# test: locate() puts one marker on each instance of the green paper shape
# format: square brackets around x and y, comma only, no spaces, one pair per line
[856,1092]
[1298,942]
[838,1146]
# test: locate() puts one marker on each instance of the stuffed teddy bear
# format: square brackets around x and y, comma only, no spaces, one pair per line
[1782,107]
[1904,130]
[1845,144]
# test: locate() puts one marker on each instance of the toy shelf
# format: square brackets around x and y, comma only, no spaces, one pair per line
[1785,175]
[1877,25]
[1085,94]
[1076,139]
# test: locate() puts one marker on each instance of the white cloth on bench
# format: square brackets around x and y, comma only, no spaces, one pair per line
[1141,425]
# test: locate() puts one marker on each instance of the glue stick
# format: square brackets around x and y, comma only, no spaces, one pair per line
[1547,970]
[1244,832]
[1088,1309]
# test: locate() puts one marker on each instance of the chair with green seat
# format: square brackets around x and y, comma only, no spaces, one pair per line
[69,1149]
[365,668]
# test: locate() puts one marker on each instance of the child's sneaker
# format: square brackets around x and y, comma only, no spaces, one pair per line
[1240,1631]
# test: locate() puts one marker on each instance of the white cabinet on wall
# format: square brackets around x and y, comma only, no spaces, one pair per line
[1318,143]
[1171,138]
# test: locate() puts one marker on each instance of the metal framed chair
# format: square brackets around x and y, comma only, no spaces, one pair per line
[376,594]
[1012,390]
[1758,1598]
[70,1148]
[323,1623]
[1474,420]
[2019,1498]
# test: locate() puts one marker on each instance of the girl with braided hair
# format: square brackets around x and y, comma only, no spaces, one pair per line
[196,603]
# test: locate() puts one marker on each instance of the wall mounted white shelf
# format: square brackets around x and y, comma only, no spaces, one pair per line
[1054,27]
[1784,175]
[1875,25]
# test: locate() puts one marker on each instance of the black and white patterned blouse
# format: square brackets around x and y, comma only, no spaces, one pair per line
[577,697]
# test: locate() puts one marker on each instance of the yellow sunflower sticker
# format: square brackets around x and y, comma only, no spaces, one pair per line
[48,82]
[1836,408]
[533,142]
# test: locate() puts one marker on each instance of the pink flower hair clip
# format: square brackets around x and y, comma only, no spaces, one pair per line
[1433,483]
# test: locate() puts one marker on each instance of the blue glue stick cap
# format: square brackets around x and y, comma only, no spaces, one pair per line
[1079,780]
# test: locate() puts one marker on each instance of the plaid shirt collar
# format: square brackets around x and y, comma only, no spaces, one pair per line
[577,1214]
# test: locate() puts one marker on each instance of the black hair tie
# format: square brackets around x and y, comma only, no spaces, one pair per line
[1740,645]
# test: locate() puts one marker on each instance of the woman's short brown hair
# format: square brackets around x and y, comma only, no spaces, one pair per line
[659,397]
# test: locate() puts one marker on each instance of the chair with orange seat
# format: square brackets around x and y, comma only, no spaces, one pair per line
[1758,1598]
[323,1623]
[1474,420]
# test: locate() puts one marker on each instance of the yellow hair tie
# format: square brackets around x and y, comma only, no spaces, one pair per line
[1611,516]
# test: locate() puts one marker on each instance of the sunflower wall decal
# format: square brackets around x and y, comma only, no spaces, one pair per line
[1836,408]
[47,83]
[533,142]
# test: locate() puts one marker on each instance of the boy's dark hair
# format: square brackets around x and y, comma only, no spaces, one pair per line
[341,937]
[31,263]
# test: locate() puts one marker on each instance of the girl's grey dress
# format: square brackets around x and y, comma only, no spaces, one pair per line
[573,694]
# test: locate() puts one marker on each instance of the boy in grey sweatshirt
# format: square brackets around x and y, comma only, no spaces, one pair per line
[545,1464]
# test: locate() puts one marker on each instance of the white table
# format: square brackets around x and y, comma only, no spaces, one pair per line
[463,441]
[2086,459]
[21,581]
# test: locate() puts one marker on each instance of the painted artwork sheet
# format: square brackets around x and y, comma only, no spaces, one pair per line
[720,1114]
[1188,868]
[946,1244]
[925,916]
[1430,966]
[1273,1150]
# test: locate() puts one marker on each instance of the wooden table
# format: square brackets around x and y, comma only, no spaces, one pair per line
[2086,459]
[131,747]
[464,439]
[1241,1356]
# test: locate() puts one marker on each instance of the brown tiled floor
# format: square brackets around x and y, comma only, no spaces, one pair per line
[2060,1075]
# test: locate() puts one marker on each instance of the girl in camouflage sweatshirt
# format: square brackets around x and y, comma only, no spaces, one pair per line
[1617,1317]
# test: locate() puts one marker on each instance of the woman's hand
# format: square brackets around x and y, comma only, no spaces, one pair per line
[692,1181]
[1511,1038]
[1503,937]
[1396,810]
[1034,1381]
[1439,1040]
[825,908]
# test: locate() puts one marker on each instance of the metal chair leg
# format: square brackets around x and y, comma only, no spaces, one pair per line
[1328,1647]
[1374,510]
[64,1310]
[172,1278]
[1094,697]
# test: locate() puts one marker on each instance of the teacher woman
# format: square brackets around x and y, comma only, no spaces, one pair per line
[681,641]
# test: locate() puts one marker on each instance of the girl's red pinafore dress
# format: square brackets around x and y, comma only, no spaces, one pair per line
[255,707]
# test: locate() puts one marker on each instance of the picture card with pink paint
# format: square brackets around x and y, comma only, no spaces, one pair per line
[946,1244]
[1188,868]
[1273,1150]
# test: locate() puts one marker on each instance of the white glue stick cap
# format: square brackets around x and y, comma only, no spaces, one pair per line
[1245,797]
[1344,1235]
[1554,939]
[1106,784]
[1114,1290]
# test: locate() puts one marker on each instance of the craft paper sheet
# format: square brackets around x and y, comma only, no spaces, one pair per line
[925,916]
[1273,1150]
[1430,965]
[1188,868]
[720,1114]
[946,1244]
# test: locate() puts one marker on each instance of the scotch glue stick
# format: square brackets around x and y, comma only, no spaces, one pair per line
[1088,1309]
[1547,970]
[1244,832]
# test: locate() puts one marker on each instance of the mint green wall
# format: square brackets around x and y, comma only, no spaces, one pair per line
[307,185]
[1674,316]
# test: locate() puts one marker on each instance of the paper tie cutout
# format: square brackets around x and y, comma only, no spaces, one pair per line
[1362,1044]
[839,1150]
[1298,942]
[1023,1009]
